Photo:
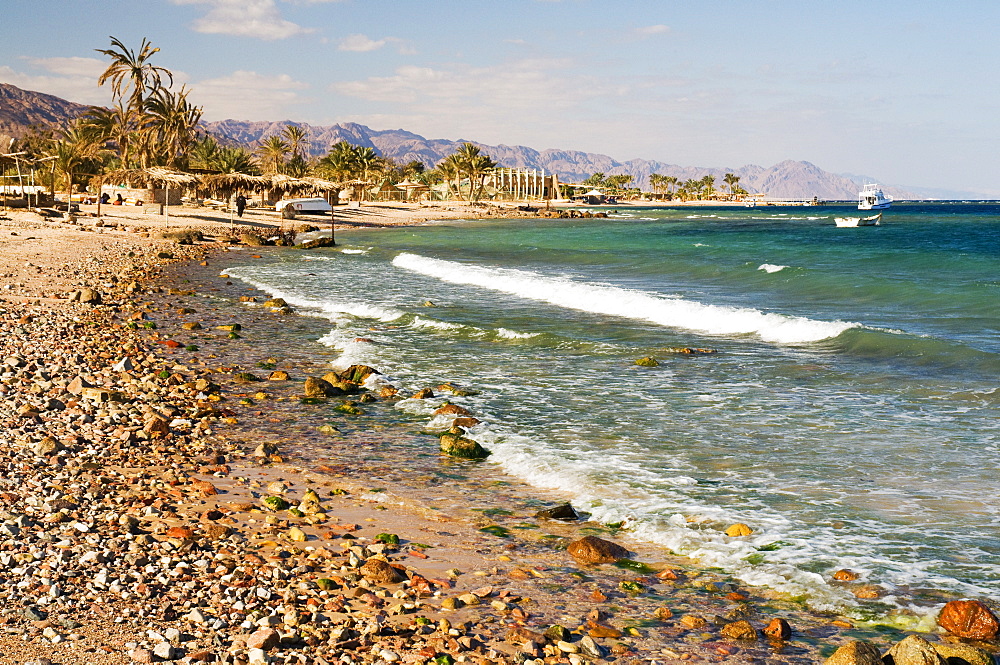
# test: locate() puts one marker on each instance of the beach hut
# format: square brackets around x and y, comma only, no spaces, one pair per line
[412,189]
[386,191]
[155,185]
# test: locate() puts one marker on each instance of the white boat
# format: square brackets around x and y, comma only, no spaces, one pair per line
[874,220]
[873,198]
[304,206]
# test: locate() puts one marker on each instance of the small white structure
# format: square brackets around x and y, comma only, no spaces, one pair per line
[874,220]
[304,206]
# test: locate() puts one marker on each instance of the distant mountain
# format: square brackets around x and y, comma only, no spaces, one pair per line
[789,179]
[20,109]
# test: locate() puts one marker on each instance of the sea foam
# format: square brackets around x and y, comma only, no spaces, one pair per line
[628,303]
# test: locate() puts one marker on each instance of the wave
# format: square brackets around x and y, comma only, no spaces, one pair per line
[628,303]
[770,267]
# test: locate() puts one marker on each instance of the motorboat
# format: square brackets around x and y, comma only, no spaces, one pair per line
[874,220]
[304,206]
[873,198]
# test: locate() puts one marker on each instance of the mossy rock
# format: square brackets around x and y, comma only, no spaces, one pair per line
[459,446]
[648,361]
[276,503]
[350,408]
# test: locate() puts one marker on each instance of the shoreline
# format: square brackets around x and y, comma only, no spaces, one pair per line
[528,581]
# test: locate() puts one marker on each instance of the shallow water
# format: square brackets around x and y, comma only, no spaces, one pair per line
[849,416]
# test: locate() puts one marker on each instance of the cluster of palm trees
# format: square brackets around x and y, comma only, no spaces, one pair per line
[702,188]
[150,124]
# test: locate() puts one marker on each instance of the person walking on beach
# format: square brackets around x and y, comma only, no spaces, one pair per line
[241,205]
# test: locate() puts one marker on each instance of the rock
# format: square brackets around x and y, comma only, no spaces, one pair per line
[156,427]
[589,647]
[89,296]
[648,361]
[778,629]
[141,656]
[693,621]
[739,630]
[298,535]
[278,375]
[164,651]
[844,575]
[970,619]
[264,639]
[459,446]
[868,591]
[962,654]
[381,572]
[47,446]
[739,529]
[856,653]
[564,512]
[913,650]
[449,408]
[191,325]
[423,393]
[320,388]
[591,549]
[358,373]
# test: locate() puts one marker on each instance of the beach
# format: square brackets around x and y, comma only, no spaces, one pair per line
[154,450]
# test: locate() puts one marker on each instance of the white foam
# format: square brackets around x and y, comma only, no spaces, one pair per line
[513,334]
[354,251]
[770,267]
[421,322]
[628,303]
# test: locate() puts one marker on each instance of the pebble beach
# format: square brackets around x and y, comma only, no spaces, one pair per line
[157,508]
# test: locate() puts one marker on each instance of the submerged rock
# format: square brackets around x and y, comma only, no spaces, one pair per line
[591,549]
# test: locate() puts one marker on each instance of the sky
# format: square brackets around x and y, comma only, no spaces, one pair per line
[904,92]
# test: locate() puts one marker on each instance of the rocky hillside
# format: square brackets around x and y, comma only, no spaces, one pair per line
[19,109]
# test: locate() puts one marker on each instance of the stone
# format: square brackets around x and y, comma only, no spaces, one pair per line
[459,446]
[970,619]
[47,446]
[591,549]
[264,639]
[191,325]
[156,427]
[856,653]
[778,629]
[868,591]
[693,621]
[141,656]
[913,650]
[89,296]
[739,630]
[358,373]
[423,393]
[648,361]
[962,654]
[844,575]
[739,529]
[564,512]
[278,375]
[381,572]
[164,651]
[449,409]
[314,388]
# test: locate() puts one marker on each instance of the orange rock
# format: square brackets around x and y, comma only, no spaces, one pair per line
[845,575]
[182,532]
[970,619]
[604,631]
[597,596]
[591,549]
[737,530]
[206,488]
[868,592]
[452,409]
[778,629]
[693,621]
[667,574]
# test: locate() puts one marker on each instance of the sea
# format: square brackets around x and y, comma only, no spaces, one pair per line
[848,411]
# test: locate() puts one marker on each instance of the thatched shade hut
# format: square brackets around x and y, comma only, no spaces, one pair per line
[412,188]
[159,181]
[227,183]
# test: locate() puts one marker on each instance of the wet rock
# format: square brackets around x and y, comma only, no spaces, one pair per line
[591,549]
[856,653]
[963,654]
[913,650]
[564,512]
[459,446]
[648,361]
[970,619]
[737,530]
[451,409]
[381,572]
[320,388]
[778,629]
[693,621]
[868,592]
[278,375]
[739,630]
[358,373]
[845,575]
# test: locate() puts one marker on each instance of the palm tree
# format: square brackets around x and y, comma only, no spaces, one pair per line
[340,163]
[670,181]
[117,125]
[656,182]
[708,182]
[595,180]
[130,71]
[296,138]
[272,152]
[203,153]
[731,179]
[469,162]
[76,146]
[235,159]
[170,122]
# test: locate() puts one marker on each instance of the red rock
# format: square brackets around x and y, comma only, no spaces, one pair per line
[591,549]
[452,409]
[265,639]
[182,532]
[778,629]
[970,619]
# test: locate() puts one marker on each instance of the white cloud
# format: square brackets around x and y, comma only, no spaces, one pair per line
[247,95]
[360,43]
[259,19]
[650,30]
[74,79]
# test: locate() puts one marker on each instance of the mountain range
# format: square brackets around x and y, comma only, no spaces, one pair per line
[20,109]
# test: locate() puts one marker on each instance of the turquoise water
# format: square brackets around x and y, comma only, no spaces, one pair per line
[850,416]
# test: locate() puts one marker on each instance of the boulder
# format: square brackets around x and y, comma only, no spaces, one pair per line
[451,409]
[778,629]
[320,388]
[856,653]
[459,446]
[962,654]
[737,530]
[423,393]
[913,650]
[970,619]
[278,375]
[648,361]
[381,572]
[591,549]
[739,630]
[358,373]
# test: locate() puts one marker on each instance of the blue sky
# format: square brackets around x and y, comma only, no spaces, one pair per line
[902,91]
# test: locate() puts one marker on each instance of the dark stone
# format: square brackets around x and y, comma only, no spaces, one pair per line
[564,512]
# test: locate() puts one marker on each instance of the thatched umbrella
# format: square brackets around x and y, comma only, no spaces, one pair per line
[149,178]
[411,187]
[229,182]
